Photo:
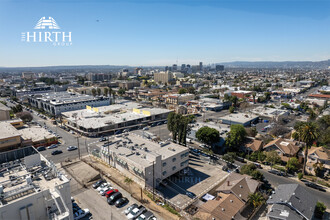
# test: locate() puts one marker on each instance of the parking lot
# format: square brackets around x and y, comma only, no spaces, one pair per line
[201,178]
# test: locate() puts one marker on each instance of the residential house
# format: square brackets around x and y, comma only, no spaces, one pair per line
[231,199]
[291,202]
[284,147]
[253,145]
[318,155]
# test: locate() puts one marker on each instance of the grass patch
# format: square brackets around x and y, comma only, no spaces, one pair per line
[171,209]
[279,168]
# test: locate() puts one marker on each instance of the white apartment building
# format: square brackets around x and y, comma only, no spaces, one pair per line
[32,188]
[144,160]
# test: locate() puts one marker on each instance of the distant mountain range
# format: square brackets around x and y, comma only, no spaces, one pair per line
[237,64]
[278,64]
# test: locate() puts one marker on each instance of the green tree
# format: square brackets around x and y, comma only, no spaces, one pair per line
[229,158]
[208,135]
[248,169]
[234,100]
[226,98]
[191,90]
[121,91]
[129,182]
[94,92]
[25,116]
[254,97]
[267,96]
[308,132]
[106,91]
[231,109]
[300,176]
[182,91]
[98,91]
[236,136]
[292,164]
[179,126]
[319,210]
[256,199]
[272,157]
[257,175]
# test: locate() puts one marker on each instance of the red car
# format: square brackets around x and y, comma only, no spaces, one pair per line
[110,192]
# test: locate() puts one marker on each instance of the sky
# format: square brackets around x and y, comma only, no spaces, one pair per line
[164,32]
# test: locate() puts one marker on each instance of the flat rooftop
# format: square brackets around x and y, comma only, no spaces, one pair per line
[7,130]
[141,151]
[3,107]
[58,98]
[25,172]
[112,114]
[268,112]
[35,133]
[239,117]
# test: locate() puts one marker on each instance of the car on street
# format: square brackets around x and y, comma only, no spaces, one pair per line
[276,172]
[98,183]
[52,146]
[120,202]
[126,130]
[145,216]
[55,152]
[71,148]
[130,208]
[102,139]
[159,123]
[118,132]
[145,128]
[80,214]
[105,190]
[136,212]
[315,186]
[41,148]
[114,197]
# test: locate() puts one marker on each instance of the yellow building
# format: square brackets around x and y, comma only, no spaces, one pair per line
[9,137]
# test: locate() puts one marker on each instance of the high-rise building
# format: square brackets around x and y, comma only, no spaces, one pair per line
[166,68]
[219,68]
[200,66]
[174,67]
[163,77]
[183,67]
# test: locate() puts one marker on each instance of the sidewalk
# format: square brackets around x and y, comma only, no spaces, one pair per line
[134,188]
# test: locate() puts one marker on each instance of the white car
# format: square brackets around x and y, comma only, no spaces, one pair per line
[136,212]
[103,186]
[104,190]
[80,214]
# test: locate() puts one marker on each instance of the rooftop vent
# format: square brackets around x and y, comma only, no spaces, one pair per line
[223,209]
[231,201]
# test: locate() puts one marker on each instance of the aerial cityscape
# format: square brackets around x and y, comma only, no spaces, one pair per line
[161,110]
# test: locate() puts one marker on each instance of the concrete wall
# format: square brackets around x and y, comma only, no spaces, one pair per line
[4,115]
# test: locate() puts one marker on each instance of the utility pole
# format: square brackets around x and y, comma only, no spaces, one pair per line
[153,180]
[109,149]
[78,146]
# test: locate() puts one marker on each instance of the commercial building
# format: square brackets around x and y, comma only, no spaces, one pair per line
[163,77]
[179,99]
[145,161]
[57,102]
[239,118]
[93,121]
[128,84]
[23,94]
[4,112]
[31,187]
[272,113]
[211,104]
[219,68]
[9,137]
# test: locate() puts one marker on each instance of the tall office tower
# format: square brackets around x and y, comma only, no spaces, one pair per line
[200,66]
[166,68]
[175,67]
[219,68]
[183,67]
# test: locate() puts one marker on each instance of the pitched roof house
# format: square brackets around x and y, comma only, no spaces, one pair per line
[253,145]
[285,148]
[291,202]
[318,155]
[232,197]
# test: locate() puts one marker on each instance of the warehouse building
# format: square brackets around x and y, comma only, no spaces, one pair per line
[239,118]
[57,102]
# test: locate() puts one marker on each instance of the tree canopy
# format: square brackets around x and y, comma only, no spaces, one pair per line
[208,135]
[236,136]
[178,125]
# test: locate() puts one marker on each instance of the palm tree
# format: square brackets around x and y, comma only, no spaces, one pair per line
[254,97]
[128,181]
[308,132]
[256,199]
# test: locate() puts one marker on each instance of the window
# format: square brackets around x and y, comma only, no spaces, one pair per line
[164,173]
[164,164]
[173,168]
[174,159]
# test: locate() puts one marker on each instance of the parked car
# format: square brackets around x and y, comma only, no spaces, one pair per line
[257,165]
[145,128]
[110,192]
[102,186]
[52,146]
[159,123]
[104,190]
[113,198]
[102,139]
[120,202]
[145,216]
[136,212]
[80,214]
[98,183]
[71,148]
[130,208]
[55,152]
[126,130]
[191,195]
[118,132]
[276,172]
[41,148]
[315,186]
